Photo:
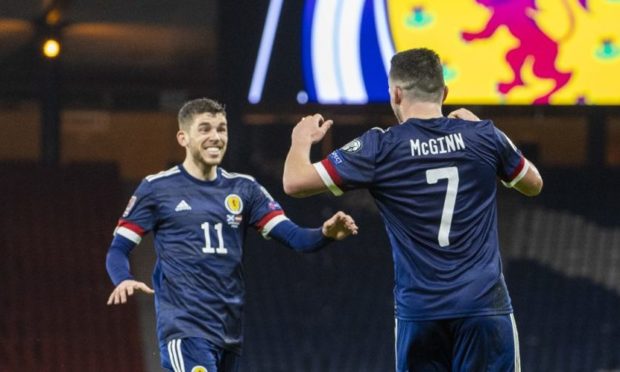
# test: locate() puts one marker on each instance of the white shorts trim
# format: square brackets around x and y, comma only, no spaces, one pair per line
[515,339]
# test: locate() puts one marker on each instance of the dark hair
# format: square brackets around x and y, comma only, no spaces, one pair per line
[198,106]
[419,71]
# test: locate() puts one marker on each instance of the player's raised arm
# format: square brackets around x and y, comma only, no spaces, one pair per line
[300,179]
[531,182]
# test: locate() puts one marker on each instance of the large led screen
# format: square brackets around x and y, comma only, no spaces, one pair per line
[515,52]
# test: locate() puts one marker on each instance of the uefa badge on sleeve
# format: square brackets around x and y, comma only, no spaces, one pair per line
[273,205]
[353,146]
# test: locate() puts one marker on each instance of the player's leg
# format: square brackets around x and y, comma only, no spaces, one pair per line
[422,346]
[486,343]
[197,355]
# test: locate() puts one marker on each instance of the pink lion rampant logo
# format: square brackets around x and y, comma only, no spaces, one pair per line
[518,17]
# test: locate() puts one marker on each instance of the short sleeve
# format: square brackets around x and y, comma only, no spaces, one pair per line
[265,212]
[511,164]
[351,166]
[139,215]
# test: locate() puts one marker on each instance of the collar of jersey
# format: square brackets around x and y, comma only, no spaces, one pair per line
[217,179]
[426,122]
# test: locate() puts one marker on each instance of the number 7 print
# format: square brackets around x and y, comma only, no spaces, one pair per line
[452,174]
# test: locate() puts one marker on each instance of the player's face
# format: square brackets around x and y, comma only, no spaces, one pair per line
[207,138]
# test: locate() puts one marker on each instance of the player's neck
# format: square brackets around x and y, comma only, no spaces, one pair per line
[201,172]
[420,110]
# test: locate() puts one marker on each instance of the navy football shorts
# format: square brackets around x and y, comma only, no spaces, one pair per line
[197,355]
[478,343]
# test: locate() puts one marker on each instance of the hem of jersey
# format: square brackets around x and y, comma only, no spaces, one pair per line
[327,179]
[454,315]
[218,343]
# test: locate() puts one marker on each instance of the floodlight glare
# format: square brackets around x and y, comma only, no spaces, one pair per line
[51,48]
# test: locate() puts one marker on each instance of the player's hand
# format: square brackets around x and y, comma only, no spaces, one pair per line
[463,114]
[339,226]
[125,289]
[311,128]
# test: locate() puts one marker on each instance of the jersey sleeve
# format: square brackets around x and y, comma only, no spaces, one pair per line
[139,216]
[512,165]
[351,166]
[265,212]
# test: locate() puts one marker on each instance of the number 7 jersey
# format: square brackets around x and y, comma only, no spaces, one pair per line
[199,229]
[434,182]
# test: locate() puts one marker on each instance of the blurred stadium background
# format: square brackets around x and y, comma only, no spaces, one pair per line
[79,130]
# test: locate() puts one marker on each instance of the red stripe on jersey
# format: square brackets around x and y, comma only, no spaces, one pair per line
[331,170]
[517,170]
[268,217]
[131,226]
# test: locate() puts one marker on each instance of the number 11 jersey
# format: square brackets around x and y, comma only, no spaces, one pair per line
[199,229]
[434,182]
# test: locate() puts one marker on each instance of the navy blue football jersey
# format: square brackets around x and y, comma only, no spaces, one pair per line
[434,182]
[199,228]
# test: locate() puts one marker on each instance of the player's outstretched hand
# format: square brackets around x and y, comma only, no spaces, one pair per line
[125,289]
[339,226]
[463,114]
[311,128]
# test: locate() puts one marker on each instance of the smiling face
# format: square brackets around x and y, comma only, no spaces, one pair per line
[205,139]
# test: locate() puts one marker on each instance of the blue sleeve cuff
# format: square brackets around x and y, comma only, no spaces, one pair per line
[299,238]
[117,260]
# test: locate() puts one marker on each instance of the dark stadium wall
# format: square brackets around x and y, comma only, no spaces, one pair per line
[124,137]
[138,142]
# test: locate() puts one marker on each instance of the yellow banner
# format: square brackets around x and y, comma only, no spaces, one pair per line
[518,51]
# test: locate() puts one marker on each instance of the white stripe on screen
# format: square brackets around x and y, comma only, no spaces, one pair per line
[323,58]
[383,34]
[264,51]
[348,51]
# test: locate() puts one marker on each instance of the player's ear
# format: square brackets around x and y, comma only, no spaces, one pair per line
[182,138]
[397,94]
[445,93]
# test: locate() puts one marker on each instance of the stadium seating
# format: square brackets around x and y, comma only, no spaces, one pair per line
[56,225]
[329,311]
[332,311]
